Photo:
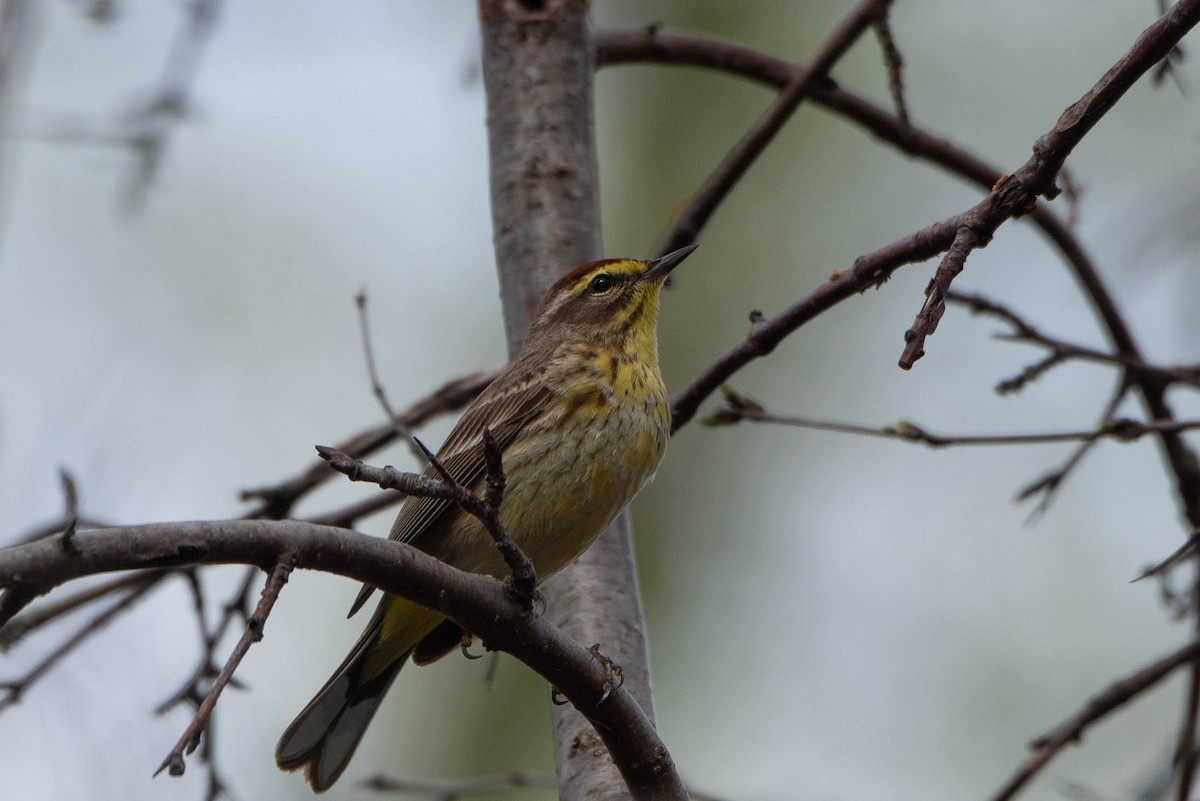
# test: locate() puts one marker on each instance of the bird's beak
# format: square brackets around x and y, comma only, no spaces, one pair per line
[662,266]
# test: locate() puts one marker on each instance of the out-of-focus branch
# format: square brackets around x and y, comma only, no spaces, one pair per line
[738,408]
[446,790]
[1071,730]
[146,129]
[13,689]
[14,630]
[1062,350]
[15,40]
[277,500]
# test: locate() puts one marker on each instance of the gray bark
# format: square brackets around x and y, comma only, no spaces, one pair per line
[538,64]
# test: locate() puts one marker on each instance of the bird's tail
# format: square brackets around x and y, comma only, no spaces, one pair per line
[324,735]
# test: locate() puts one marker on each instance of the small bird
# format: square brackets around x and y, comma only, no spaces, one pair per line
[582,420]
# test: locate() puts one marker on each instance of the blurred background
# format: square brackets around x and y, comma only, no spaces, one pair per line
[830,617]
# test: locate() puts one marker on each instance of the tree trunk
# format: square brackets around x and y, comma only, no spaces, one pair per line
[538,64]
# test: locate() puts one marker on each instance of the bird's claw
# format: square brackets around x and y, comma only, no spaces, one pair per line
[614,676]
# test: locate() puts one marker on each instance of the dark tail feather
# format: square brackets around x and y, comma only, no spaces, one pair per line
[437,643]
[324,735]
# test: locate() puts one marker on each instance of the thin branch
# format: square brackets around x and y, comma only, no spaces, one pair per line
[17,628]
[1048,485]
[150,128]
[477,603]
[1031,372]
[237,607]
[486,510]
[1113,697]
[403,431]
[1017,193]
[277,500]
[451,789]
[1182,553]
[895,66]
[521,571]
[738,408]
[70,516]
[14,689]
[685,229]
[966,239]
[1186,741]
[187,743]
[346,516]
[1062,350]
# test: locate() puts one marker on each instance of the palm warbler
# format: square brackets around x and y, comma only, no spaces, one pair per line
[582,418]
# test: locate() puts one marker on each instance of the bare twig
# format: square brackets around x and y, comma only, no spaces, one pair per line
[193,690]
[966,239]
[1186,741]
[403,431]
[14,689]
[1031,372]
[739,408]
[174,762]
[524,578]
[895,65]
[1170,64]
[1061,350]
[12,632]
[1010,197]
[1048,485]
[346,516]
[449,790]
[277,500]
[520,566]
[151,126]
[1071,730]
[1017,193]
[1183,552]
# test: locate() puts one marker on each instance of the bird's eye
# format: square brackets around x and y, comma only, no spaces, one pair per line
[601,284]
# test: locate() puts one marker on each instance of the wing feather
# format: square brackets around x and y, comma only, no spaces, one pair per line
[505,410]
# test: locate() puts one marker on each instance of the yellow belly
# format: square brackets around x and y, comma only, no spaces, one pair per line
[568,480]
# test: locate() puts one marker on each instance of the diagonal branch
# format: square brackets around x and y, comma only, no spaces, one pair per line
[13,689]
[187,743]
[1112,698]
[1024,331]
[486,510]
[700,207]
[277,500]
[14,630]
